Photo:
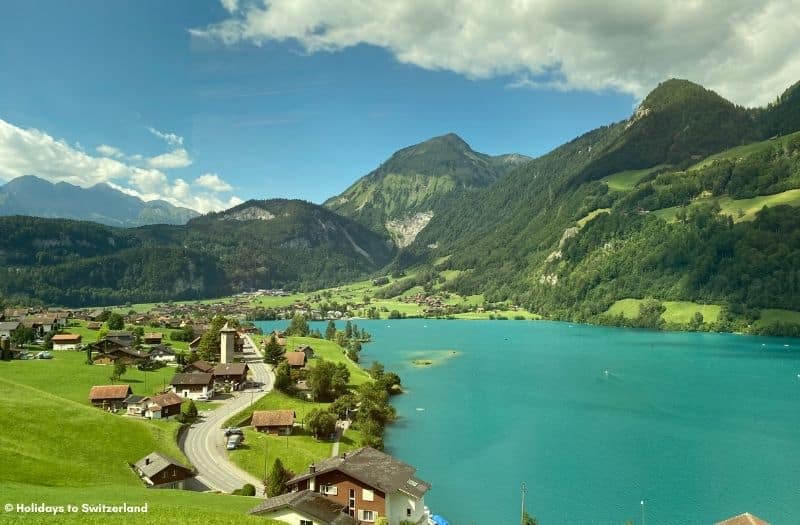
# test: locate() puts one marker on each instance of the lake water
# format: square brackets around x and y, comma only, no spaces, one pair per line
[594,420]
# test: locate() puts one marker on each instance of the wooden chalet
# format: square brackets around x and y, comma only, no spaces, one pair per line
[109,396]
[234,374]
[296,360]
[67,341]
[273,421]
[192,386]
[160,471]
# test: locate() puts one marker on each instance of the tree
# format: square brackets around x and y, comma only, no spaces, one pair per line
[119,370]
[527,519]
[376,370]
[22,336]
[298,326]
[277,478]
[189,410]
[115,321]
[697,321]
[328,380]
[348,330]
[208,348]
[89,360]
[330,331]
[283,377]
[343,406]
[321,423]
[273,353]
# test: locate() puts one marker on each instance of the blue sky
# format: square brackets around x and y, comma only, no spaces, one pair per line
[207,103]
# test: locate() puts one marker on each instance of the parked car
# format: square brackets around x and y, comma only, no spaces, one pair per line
[202,398]
[233,441]
[44,355]
[230,431]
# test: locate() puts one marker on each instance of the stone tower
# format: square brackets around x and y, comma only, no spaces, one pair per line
[226,340]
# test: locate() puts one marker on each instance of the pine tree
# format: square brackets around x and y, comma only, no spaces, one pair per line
[273,353]
[330,331]
[348,330]
[277,478]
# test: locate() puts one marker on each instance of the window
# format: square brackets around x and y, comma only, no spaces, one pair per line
[408,512]
[328,490]
[306,522]
[367,495]
[367,515]
[351,502]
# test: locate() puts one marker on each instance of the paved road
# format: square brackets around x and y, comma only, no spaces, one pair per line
[204,442]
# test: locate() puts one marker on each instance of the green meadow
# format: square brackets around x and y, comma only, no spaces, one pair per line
[677,312]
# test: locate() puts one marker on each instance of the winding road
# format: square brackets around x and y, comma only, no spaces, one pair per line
[204,442]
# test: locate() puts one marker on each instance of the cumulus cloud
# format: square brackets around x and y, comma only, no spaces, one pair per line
[744,49]
[170,138]
[34,152]
[178,158]
[213,182]
[109,151]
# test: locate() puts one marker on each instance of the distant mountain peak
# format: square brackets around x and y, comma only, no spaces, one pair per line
[35,196]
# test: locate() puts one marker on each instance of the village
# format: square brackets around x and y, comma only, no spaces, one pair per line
[329,477]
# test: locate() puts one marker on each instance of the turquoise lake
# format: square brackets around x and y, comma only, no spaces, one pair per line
[594,420]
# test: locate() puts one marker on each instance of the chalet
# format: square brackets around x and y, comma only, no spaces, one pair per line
[14,314]
[136,405]
[7,328]
[307,350]
[369,483]
[153,338]
[109,396]
[41,324]
[743,519]
[164,406]
[94,325]
[296,360]
[94,315]
[304,507]
[121,337]
[273,421]
[202,367]
[234,374]
[66,342]
[162,353]
[123,354]
[192,386]
[162,472]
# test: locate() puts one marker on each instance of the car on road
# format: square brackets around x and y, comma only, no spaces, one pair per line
[234,441]
[230,431]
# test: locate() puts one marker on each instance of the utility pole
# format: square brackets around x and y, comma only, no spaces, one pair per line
[265,456]
[524,490]
[642,504]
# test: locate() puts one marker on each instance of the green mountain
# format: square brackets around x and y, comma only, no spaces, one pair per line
[418,182]
[640,208]
[258,244]
[30,195]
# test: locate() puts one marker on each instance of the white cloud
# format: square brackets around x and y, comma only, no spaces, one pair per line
[170,138]
[744,49]
[230,6]
[34,152]
[178,158]
[109,151]
[213,182]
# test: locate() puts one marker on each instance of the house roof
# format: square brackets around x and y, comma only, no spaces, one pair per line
[9,325]
[295,358]
[303,348]
[743,519]
[191,379]
[195,341]
[32,320]
[168,399]
[135,399]
[110,392]
[67,338]
[122,334]
[162,350]
[230,369]
[227,329]
[153,335]
[374,468]
[310,503]
[203,366]
[273,418]
[125,350]
[157,462]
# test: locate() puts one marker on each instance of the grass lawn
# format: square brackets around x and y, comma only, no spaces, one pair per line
[677,312]
[275,401]
[55,441]
[509,314]
[739,209]
[164,506]
[329,351]
[773,315]
[67,376]
[627,180]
